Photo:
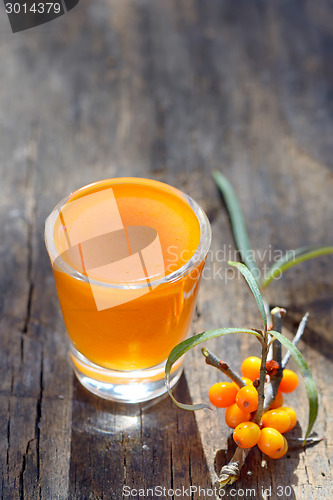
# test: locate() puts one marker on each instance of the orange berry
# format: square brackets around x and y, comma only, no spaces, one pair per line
[278,419]
[251,367]
[292,416]
[284,450]
[289,381]
[247,398]
[235,416]
[272,443]
[246,434]
[222,394]
[278,401]
[246,380]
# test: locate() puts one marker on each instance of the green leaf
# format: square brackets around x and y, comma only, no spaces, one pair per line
[292,258]
[187,344]
[254,288]
[237,221]
[308,379]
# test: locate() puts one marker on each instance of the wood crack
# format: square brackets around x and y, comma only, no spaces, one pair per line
[24,465]
[190,474]
[171,470]
[28,309]
[8,433]
[124,463]
[38,421]
[325,440]
[31,208]
[29,272]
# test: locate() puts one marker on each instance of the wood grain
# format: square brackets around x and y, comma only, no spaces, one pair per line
[168,90]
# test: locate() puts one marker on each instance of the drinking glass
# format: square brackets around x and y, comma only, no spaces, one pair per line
[127,256]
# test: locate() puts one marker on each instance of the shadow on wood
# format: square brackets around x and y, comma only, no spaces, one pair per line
[138,446]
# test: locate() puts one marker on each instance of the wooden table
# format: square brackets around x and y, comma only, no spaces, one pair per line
[169,90]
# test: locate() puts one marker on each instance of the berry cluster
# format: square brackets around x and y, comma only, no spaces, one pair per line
[241,403]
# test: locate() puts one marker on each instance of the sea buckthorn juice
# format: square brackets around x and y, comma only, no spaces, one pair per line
[127,256]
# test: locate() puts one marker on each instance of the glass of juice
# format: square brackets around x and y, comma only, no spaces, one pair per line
[127,256]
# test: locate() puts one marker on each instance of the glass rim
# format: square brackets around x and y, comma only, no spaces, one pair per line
[198,256]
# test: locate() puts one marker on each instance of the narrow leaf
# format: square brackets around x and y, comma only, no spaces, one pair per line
[308,379]
[292,258]
[187,344]
[237,220]
[254,288]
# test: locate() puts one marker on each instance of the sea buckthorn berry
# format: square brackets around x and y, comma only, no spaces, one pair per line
[222,394]
[272,443]
[251,367]
[292,416]
[247,398]
[278,419]
[278,401]
[246,380]
[246,434]
[235,416]
[289,381]
[284,450]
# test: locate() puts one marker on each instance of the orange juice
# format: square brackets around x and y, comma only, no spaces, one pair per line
[125,258]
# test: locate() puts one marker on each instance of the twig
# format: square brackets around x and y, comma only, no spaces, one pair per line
[271,389]
[213,360]
[277,314]
[296,339]
[231,471]
[295,443]
[261,387]
[268,314]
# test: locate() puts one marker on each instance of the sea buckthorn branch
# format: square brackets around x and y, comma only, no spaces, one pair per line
[266,395]
[230,472]
[213,360]
[271,346]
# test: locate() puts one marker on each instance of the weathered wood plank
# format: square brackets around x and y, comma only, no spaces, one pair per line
[169,90]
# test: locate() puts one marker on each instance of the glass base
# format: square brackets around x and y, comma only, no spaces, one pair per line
[123,386]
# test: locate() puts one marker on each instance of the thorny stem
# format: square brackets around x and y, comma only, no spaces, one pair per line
[268,314]
[296,339]
[261,387]
[277,314]
[213,360]
[271,389]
